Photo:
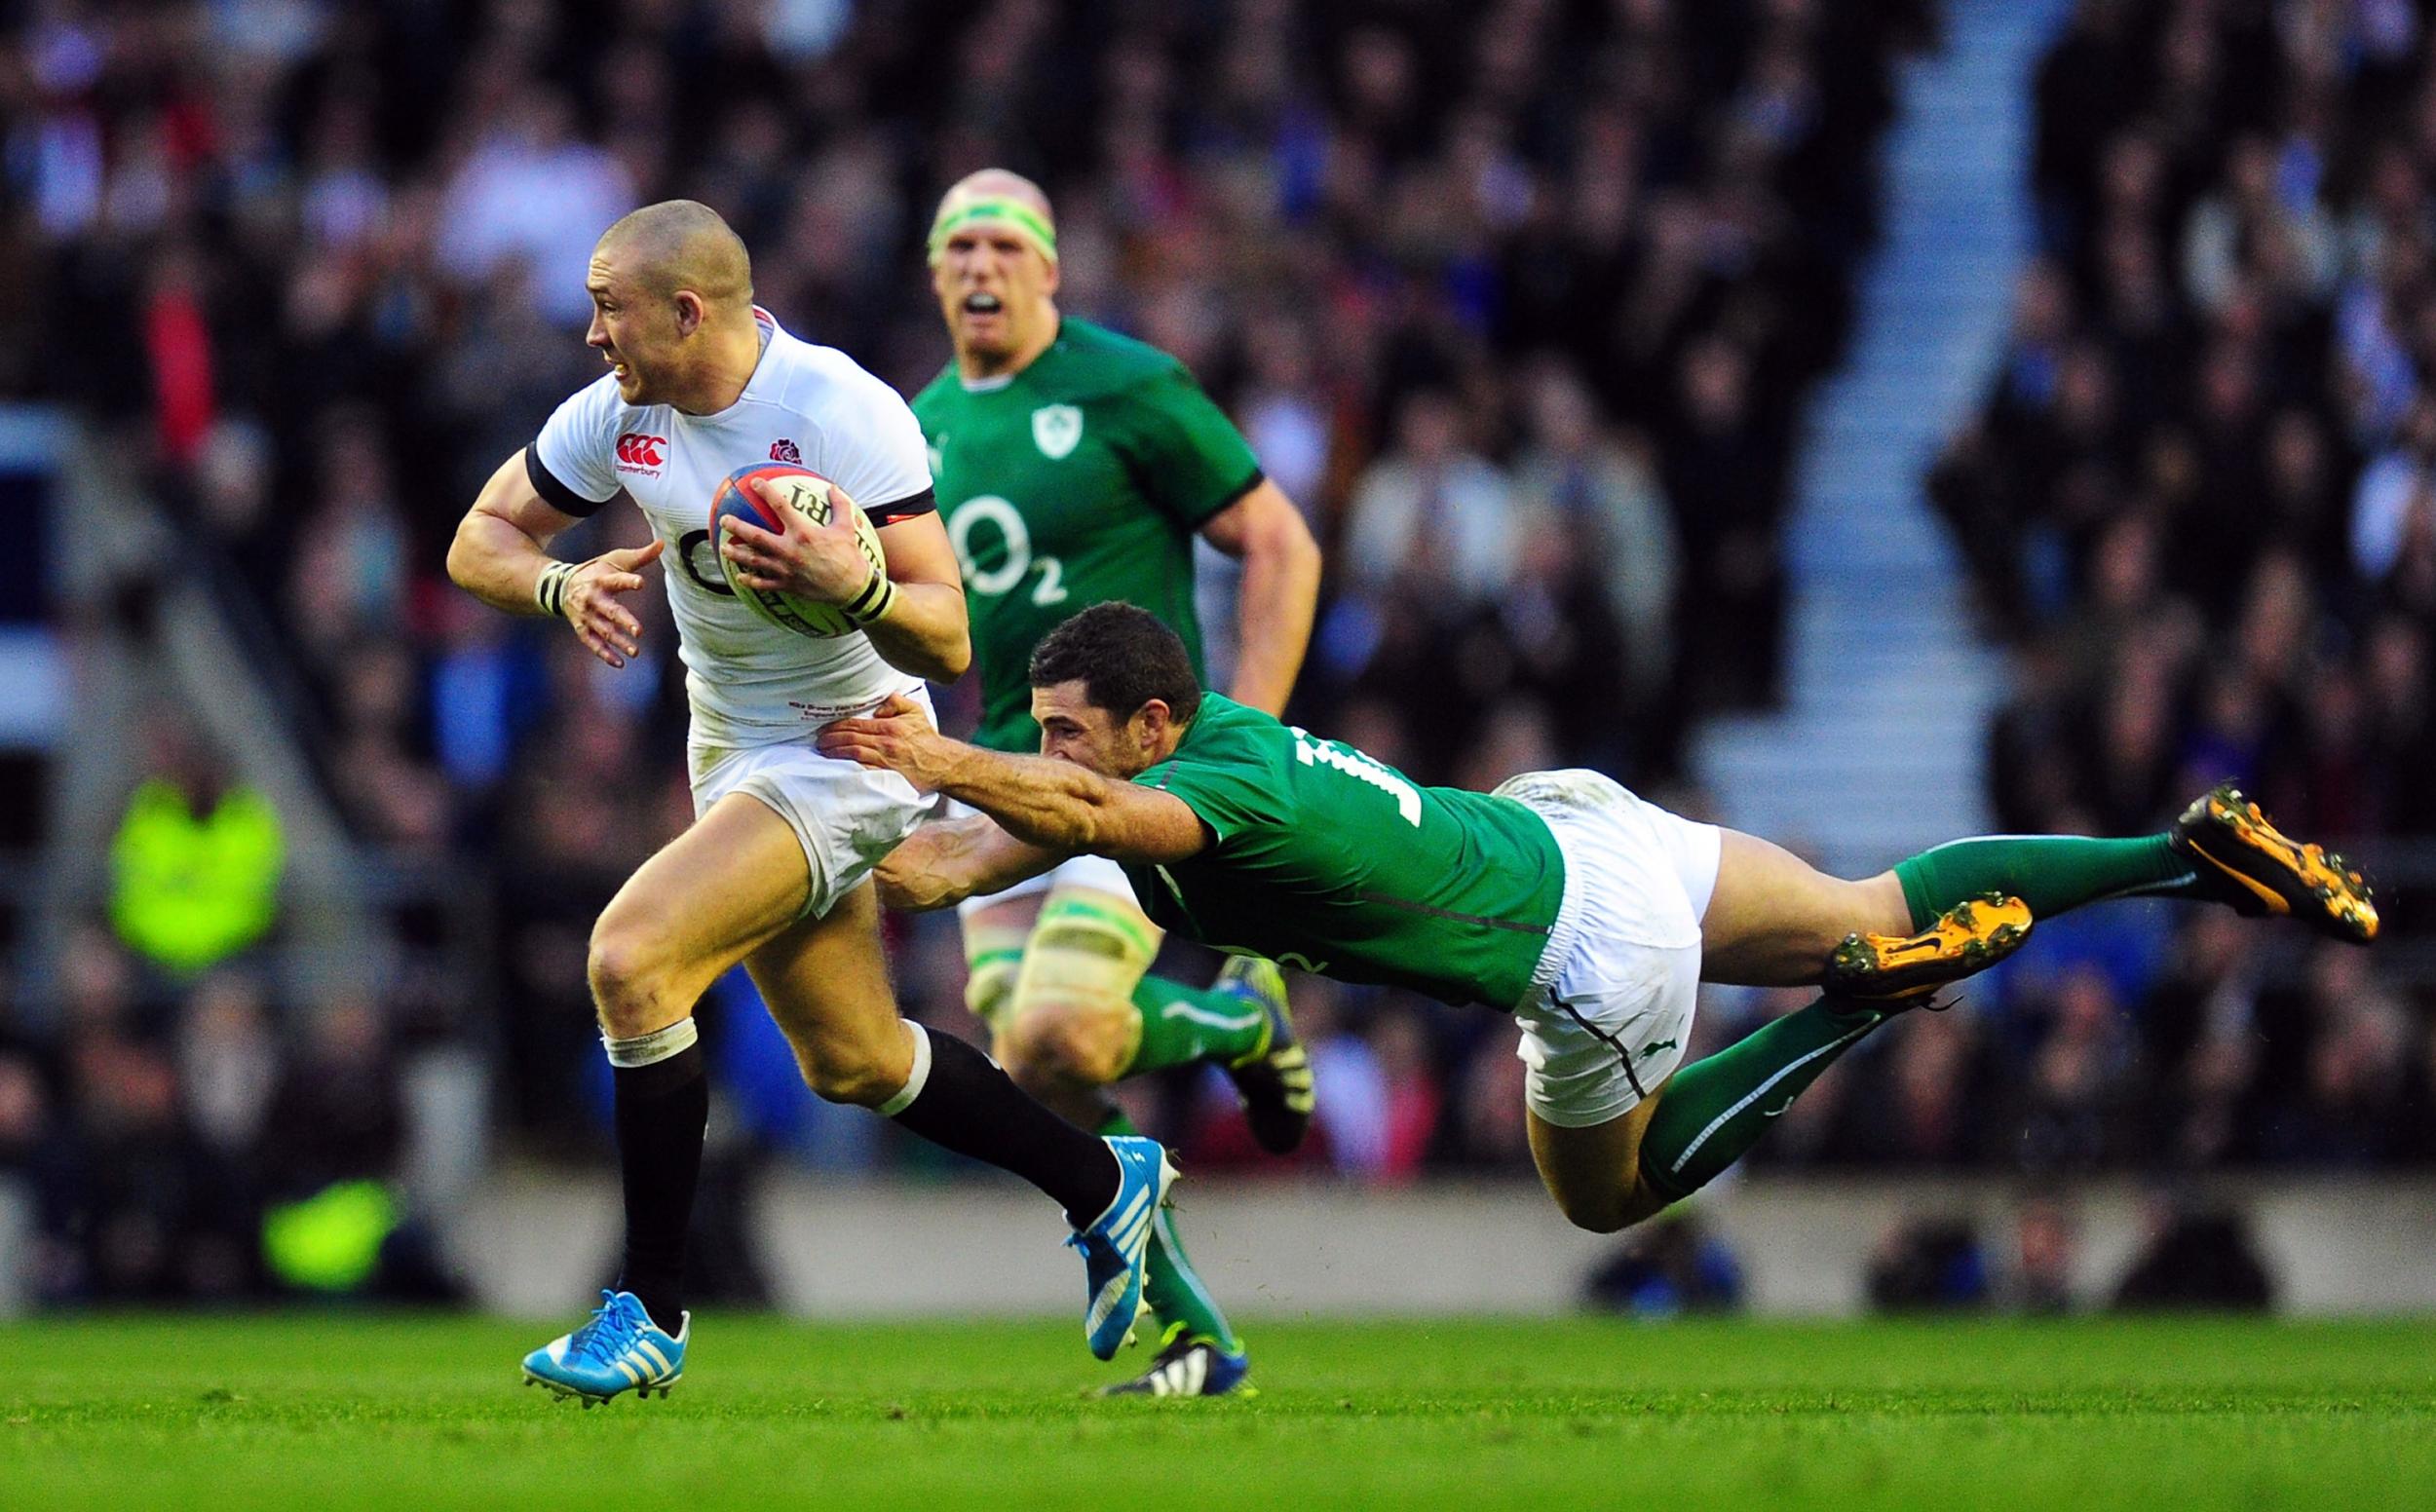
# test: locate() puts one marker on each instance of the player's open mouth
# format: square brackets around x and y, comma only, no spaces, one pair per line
[982,304]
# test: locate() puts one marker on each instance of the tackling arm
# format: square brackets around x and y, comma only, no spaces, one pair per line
[1279,593]
[1054,805]
[943,863]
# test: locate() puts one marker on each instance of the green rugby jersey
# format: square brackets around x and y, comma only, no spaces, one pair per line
[1080,479]
[1327,860]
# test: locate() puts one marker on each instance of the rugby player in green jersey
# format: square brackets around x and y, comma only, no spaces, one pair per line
[1585,911]
[1073,466]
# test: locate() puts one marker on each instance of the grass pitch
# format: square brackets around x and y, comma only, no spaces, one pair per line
[345,1410]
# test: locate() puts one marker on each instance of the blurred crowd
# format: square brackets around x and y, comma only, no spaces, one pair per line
[2197,499]
[2197,504]
[1519,301]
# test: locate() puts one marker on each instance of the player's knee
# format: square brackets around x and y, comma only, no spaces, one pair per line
[1063,1041]
[1598,1212]
[1611,1209]
[629,985]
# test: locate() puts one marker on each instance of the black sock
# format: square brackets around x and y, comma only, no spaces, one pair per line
[967,1104]
[661,1112]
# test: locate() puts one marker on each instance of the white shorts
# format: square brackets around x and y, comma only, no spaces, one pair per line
[1077,871]
[846,815]
[1617,1009]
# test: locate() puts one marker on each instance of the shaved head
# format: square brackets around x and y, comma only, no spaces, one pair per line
[995,183]
[672,308]
[680,245]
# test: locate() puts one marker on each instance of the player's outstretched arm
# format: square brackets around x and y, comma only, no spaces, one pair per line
[949,860]
[1054,805]
[1278,595]
[497,557]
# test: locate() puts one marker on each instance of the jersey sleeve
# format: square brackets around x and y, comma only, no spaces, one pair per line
[1229,800]
[1183,451]
[573,463]
[881,459]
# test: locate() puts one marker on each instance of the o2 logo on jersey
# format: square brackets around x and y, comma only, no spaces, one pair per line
[995,582]
[640,453]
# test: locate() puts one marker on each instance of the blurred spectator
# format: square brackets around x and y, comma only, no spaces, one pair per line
[137,1207]
[1432,510]
[2045,1239]
[1929,1264]
[197,860]
[1666,1269]
[228,1056]
[1602,494]
[2196,1255]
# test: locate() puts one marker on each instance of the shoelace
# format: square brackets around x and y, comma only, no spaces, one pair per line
[609,1335]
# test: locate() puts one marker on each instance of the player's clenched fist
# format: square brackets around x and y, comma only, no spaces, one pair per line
[896,737]
[587,594]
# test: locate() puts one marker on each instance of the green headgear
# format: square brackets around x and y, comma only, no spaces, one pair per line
[1021,218]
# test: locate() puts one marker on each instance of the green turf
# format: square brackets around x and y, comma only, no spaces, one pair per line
[351,1411]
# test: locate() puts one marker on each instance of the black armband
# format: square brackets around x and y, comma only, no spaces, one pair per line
[558,496]
[926,502]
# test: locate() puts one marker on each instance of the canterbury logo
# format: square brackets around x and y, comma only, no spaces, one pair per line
[636,450]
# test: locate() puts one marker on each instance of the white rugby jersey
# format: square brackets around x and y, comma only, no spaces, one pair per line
[748,681]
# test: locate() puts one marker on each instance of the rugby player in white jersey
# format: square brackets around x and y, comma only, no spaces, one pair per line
[774,870]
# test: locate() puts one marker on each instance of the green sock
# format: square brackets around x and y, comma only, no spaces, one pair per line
[1181,1025]
[1713,1109]
[2053,874]
[1176,1295]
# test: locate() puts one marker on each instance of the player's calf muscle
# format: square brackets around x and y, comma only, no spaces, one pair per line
[866,1070]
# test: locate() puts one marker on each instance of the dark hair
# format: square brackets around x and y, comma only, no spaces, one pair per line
[1123,657]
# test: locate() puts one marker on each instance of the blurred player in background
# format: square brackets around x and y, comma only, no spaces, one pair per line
[1589,913]
[1075,466]
[775,871]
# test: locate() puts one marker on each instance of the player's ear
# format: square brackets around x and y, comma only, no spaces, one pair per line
[690,312]
[1048,285]
[1151,721]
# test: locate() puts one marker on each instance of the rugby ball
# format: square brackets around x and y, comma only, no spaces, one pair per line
[792,488]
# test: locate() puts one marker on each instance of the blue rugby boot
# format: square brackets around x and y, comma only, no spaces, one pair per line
[620,1349]
[1189,1366]
[1117,1244]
